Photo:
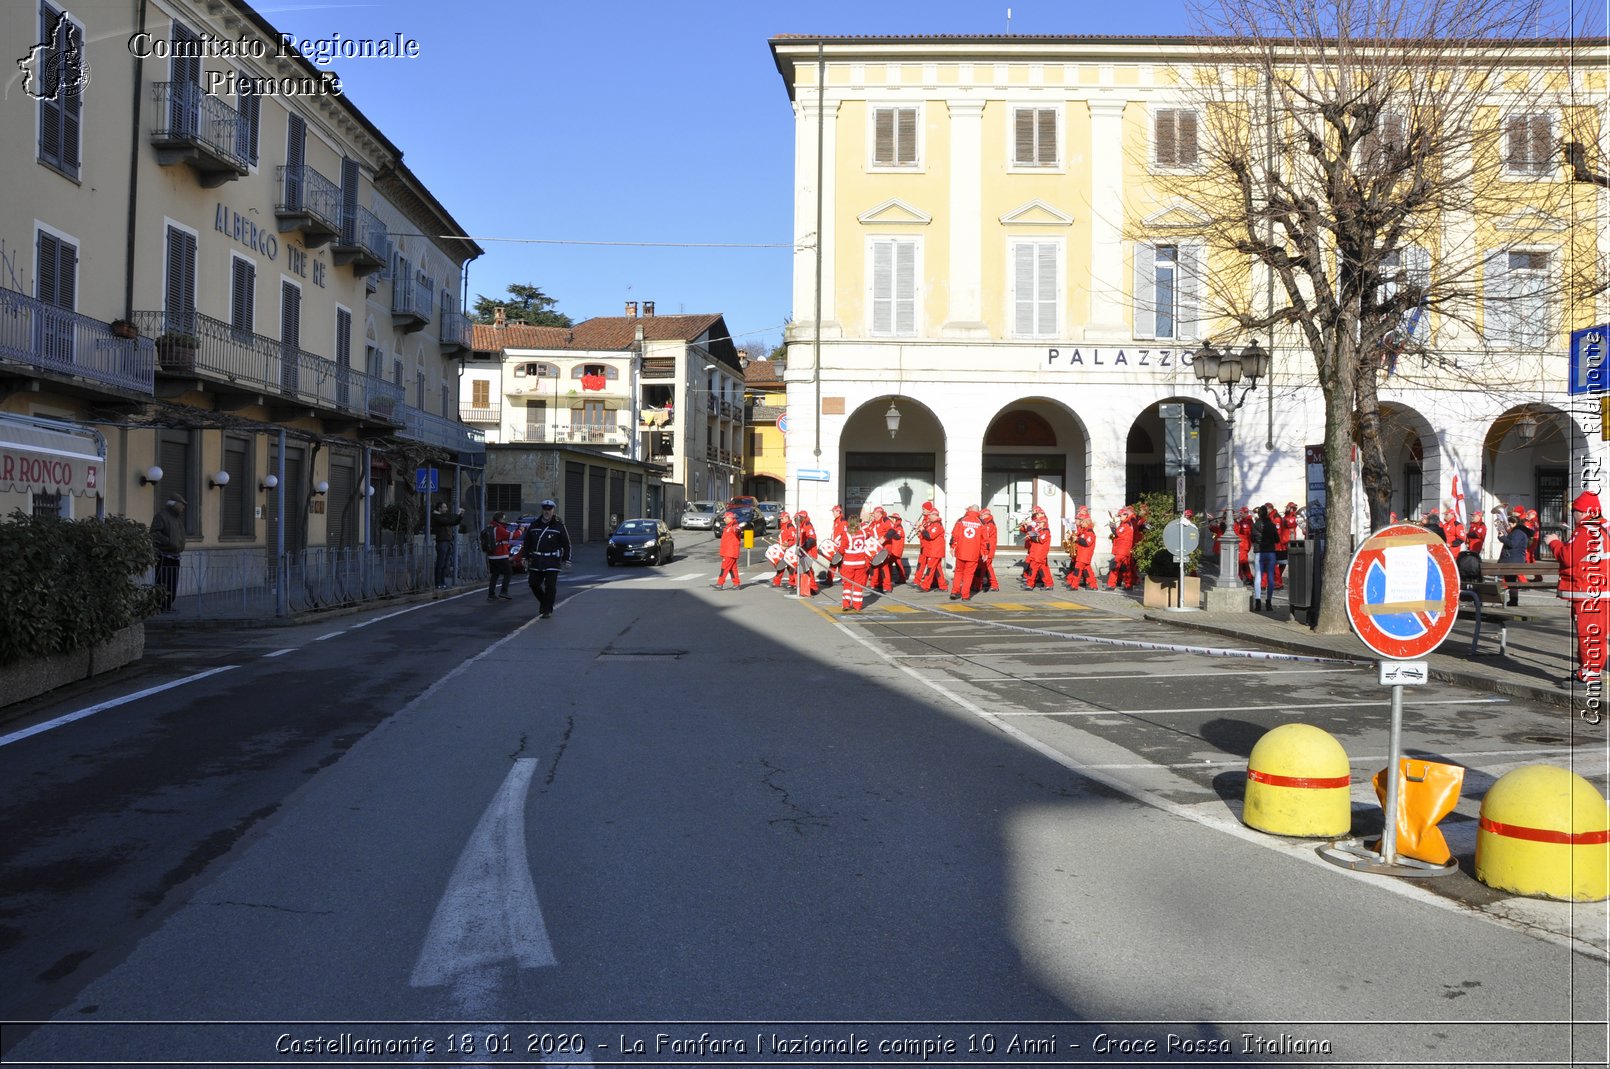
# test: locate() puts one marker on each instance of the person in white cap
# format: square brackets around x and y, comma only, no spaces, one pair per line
[545,550]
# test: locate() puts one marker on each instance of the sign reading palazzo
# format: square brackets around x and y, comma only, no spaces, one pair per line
[1087,358]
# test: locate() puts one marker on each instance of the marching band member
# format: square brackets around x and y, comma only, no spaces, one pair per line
[1452,529]
[1123,551]
[805,579]
[1475,534]
[1084,550]
[1288,527]
[841,534]
[877,529]
[1037,546]
[1243,535]
[965,544]
[786,536]
[930,549]
[989,539]
[858,549]
[731,542]
[1585,583]
[897,548]
[1216,529]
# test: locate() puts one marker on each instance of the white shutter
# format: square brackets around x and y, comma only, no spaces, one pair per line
[906,137]
[1023,287]
[1048,137]
[1187,275]
[905,288]
[1495,299]
[1145,290]
[882,287]
[1046,290]
[1023,136]
[883,137]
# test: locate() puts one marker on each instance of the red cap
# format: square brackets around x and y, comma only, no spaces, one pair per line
[1586,502]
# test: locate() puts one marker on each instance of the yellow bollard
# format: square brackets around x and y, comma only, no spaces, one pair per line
[1545,832]
[1298,783]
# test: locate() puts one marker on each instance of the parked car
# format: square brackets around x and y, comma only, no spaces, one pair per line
[647,541]
[749,519]
[771,510]
[701,516]
[743,500]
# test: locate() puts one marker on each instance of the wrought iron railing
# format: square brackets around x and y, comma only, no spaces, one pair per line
[188,116]
[437,430]
[455,327]
[65,343]
[304,191]
[196,344]
[593,435]
[413,297]
[472,413]
[364,233]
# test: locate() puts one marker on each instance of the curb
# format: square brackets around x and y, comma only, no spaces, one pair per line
[1508,688]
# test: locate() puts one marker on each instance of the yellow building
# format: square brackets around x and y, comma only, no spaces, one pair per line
[1011,286]
[216,263]
[766,411]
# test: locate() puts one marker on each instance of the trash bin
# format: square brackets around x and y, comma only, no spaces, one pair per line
[1299,573]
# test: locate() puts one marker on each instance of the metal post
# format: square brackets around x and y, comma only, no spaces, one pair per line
[282,593]
[1229,574]
[1389,836]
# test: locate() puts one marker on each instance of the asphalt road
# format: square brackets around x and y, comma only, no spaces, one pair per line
[671,811]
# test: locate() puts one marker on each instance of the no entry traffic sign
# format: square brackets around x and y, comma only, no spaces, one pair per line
[1403,592]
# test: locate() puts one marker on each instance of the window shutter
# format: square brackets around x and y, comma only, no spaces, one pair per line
[1023,289]
[1048,137]
[180,296]
[349,201]
[295,157]
[69,53]
[186,62]
[1542,139]
[1187,282]
[1495,299]
[1516,139]
[50,102]
[883,136]
[1046,291]
[1145,286]
[290,315]
[343,338]
[882,287]
[906,137]
[1185,146]
[250,107]
[66,276]
[481,393]
[243,294]
[45,268]
[1163,135]
[1023,140]
[905,287]
[1418,262]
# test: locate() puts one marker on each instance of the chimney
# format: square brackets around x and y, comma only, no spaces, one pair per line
[631,309]
[499,319]
[648,308]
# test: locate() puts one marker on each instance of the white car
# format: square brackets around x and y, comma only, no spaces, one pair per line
[700,515]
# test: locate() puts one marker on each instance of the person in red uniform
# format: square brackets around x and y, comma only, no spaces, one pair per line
[1585,583]
[841,534]
[1453,529]
[786,536]
[989,540]
[897,548]
[966,542]
[1123,551]
[1084,551]
[1475,534]
[1037,551]
[1216,529]
[1534,547]
[1243,535]
[1288,526]
[876,527]
[731,542]
[930,549]
[858,548]
[805,581]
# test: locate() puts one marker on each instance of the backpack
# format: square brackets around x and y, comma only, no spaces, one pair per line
[488,540]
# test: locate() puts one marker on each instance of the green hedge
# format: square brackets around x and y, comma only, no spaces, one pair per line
[68,584]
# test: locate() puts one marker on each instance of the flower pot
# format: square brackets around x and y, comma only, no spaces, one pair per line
[175,355]
[1164,593]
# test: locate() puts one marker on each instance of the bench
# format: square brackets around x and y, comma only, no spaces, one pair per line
[1488,594]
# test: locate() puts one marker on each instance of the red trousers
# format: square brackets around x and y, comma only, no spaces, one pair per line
[852,577]
[1039,569]
[930,573]
[805,581]
[729,566]
[963,583]
[1123,571]
[986,571]
[1081,574]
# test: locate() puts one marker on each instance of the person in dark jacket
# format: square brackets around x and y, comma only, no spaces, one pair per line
[168,539]
[1265,541]
[1512,550]
[545,550]
[444,527]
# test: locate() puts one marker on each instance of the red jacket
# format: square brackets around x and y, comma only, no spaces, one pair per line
[1475,536]
[1037,541]
[931,537]
[1584,561]
[731,539]
[990,537]
[1123,540]
[1084,546]
[966,537]
[807,537]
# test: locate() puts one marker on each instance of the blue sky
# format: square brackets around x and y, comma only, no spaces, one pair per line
[631,122]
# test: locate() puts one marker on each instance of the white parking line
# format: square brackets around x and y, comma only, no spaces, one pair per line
[18,736]
[1158,675]
[1098,711]
[1066,655]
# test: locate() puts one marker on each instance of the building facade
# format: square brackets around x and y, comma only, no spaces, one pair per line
[663,391]
[213,259]
[1007,296]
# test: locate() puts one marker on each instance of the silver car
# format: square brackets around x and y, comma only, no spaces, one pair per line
[700,515]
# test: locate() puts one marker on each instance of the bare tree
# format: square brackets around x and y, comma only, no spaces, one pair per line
[1361,169]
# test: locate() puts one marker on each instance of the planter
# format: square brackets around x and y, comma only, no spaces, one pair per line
[1163,593]
[39,675]
[176,355]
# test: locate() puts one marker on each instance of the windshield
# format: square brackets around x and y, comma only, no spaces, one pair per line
[635,527]
[701,506]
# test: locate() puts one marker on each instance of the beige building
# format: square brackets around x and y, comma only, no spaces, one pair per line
[230,274]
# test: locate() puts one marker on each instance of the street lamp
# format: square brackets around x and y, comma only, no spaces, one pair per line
[891,419]
[1225,369]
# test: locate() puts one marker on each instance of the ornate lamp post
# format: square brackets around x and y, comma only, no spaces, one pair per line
[1225,370]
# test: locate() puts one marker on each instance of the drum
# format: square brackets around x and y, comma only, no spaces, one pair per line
[791,556]
[827,548]
[774,553]
[881,557]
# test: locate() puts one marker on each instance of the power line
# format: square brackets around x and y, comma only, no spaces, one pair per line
[623,244]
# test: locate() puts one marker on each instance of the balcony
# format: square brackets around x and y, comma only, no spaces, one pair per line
[471,413]
[60,344]
[212,354]
[413,302]
[309,203]
[455,332]
[363,243]
[531,432]
[582,435]
[199,130]
[449,434]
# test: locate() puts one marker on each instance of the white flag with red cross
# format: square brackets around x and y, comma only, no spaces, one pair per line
[1456,494]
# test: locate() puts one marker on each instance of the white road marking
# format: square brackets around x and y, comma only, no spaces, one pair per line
[280,653]
[687,577]
[18,736]
[332,634]
[489,915]
[1064,654]
[1212,815]
[1361,761]
[1158,675]
[1093,710]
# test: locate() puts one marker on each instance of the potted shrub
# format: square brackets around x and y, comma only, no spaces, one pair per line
[177,352]
[1158,565]
[122,328]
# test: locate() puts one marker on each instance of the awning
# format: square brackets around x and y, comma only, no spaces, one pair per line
[40,461]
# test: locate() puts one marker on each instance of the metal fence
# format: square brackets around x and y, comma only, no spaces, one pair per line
[242,584]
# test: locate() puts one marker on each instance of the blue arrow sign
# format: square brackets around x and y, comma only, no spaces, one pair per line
[812,475]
